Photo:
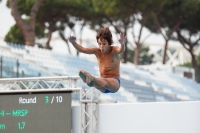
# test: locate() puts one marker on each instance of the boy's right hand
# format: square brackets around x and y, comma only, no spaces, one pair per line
[72,39]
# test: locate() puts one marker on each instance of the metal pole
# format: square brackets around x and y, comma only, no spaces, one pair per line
[1,66]
[89,113]
[17,68]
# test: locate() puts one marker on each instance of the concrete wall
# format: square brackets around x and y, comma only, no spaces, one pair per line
[171,117]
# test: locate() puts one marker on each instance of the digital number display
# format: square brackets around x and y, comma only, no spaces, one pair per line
[35,113]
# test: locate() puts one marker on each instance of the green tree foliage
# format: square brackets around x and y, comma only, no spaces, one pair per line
[59,15]
[162,16]
[189,31]
[189,64]
[169,17]
[179,20]
[27,29]
[123,15]
[14,35]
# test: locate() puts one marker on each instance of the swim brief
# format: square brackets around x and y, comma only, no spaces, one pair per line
[107,91]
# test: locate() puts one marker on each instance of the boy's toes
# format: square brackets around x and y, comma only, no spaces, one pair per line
[83,77]
[89,77]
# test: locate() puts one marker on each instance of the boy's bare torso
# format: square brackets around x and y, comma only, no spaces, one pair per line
[108,63]
[108,59]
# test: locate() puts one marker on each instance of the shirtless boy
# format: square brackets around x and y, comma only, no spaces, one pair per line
[108,60]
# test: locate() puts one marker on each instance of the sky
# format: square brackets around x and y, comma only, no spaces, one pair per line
[6,21]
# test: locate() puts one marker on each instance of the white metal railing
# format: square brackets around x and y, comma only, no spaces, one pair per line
[40,83]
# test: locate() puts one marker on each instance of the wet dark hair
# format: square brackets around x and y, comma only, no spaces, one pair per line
[105,33]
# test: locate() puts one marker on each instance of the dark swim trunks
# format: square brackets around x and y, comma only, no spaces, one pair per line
[107,91]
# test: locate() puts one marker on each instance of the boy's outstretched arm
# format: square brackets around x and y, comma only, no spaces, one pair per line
[122,41]
[78,47]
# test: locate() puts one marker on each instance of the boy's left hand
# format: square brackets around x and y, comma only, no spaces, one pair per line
[122,39]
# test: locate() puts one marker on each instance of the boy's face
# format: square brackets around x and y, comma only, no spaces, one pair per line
[103,45]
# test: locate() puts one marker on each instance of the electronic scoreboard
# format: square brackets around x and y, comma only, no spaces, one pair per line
[35,112]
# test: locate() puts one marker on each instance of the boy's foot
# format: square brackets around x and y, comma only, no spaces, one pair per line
[88,78]
[83,77]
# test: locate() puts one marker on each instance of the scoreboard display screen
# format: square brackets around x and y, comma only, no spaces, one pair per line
[35,113]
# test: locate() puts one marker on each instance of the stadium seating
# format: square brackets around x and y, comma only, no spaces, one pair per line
[137,85]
